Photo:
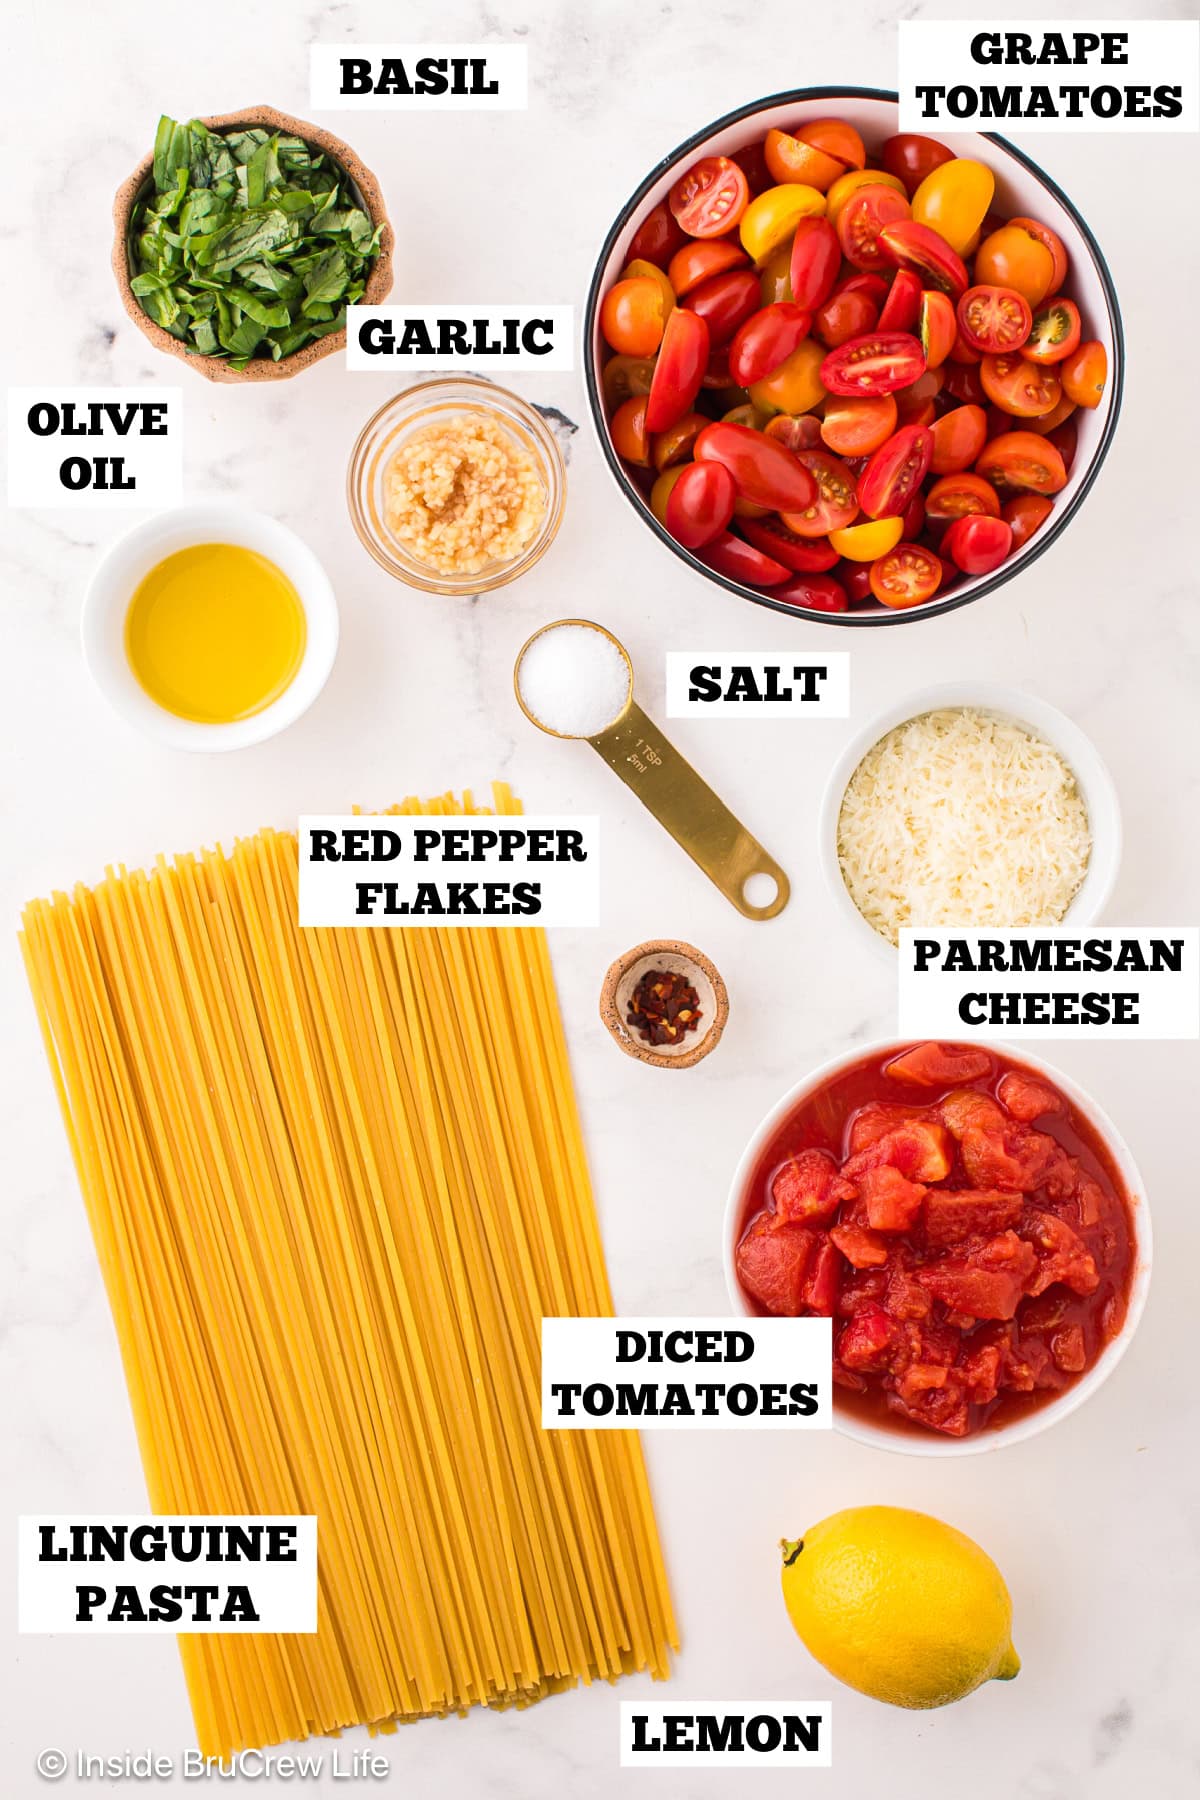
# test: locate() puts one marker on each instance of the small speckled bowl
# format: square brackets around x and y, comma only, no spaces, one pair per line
[215,368]
[678,959]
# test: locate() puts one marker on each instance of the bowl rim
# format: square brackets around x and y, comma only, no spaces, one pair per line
[101,605]
[1036,546]
[1031,1424]
[1025,708]
[379,280]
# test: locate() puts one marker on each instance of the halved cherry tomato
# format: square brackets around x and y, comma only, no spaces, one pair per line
[895,472]
[911,158]
[739,561]
[632,317]
[958,438]
[860,221]
[953,200]
[1053,243]
[848,313]
[679,370]
[902,308]
[698,261]
[957,496]
[675,444]
[1065,438]
[800,431]
[815,260]
[725,301]
[1084,374]
[1022,388]
[856,427]
[641,269]
[836,138]
[629,435]
[765,472]
[937,326]
[753,164]
[818,593]
[910,245]
[913,519]
[1025,514]
[866,542]
[1011,258]
[1050,422]
[656,238]
[744,414]
[766,339]
[917,403]
[849,184]
[855,579]
[791,159]
[807,556]
[961,351]
[1055,332]
[661,492]
[906,576]
[963,383]
[862,282]
[1021,460]
[978,544]
[994,319]
[772,217]
[716,376]
[795,385]
[836,504]
[711,198]
[700,505]
[873,364]
[622,376]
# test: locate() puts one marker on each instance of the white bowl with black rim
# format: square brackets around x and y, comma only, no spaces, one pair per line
[1022,190]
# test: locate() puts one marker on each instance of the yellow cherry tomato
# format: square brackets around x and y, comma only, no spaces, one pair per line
[776,278]
[650,272]
[660,493]
[863,543]
[953,200]
[772,217]
[848,184]
[795,386]
[1011,258]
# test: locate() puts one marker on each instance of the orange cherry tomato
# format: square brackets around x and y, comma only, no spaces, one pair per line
[660,493]
[849,184]
[836,504]
[994,319]
[1020,387]
[710,199]
[1021,460]
[957,496]
[856,427]
[1011,258]
[772,217]
[632,317]
[1053,243]
[953,200]
[1085,373]
[1055,332]
[698,261]
[861,220]
[796,385]
[836,138]
[622,376]
[937,327]
[907,576]
[958,438]
[629,436]
[648,271]
[791,159]
[675,444]
[1025,514]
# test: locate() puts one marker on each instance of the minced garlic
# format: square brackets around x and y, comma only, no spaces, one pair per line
[461,493]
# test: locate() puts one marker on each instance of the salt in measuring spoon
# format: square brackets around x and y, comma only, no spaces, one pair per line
[573,679]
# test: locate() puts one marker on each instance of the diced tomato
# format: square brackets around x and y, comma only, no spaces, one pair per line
[862,1248]
[929,1065]
[918,1149]
[1015,1157]
[875,1120]
[1027,1099]
[1061,1254]
[893,1202]
[808,1188]
[966,1109]
[942,1408]
[823,1280]
[1069,1349]
[863,1344]
[772,1261]
[986,1280]
[953,1215]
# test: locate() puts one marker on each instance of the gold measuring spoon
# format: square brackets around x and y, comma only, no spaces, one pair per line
[664,781]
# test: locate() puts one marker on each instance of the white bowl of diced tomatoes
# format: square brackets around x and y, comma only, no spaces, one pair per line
[972,1222]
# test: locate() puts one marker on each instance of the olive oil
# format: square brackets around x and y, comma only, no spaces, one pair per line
[215,633]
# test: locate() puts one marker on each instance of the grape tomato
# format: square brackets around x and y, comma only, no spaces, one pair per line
[710,199]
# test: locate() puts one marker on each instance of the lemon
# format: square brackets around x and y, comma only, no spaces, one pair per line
[899,1606]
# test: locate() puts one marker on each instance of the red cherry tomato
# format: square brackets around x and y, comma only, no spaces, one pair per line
[913,520]
[958,439]
[907,576]
[836,504]
[994,319]
[697,261]
[907,245]
[937,326]
[766,339]
[910,158]
[752,161]
[1025,513]
[856,582]
[963,383]
[807,556]
[902,308]
[700,505]
[679,370]
[1054,245]
[1055,332]
[765,472]
[656,238]
[724,302]
[873,364]
[977,544]
[1065,438]
[818,593]
[734,558]
[865,214]
[816,259]
[847,314]
[711,198]
[955,496]
[1025,389]
[895,472]
[1023,461]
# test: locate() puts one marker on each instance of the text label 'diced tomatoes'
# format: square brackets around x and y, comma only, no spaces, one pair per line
[961,1223]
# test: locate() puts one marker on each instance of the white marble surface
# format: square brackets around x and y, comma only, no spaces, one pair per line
[1097,1523]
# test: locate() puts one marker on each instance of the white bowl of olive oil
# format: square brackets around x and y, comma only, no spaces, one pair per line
[210,627]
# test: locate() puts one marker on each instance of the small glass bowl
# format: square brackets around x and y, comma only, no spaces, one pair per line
[443,399]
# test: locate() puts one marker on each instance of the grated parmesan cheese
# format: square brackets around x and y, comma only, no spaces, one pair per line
[960,817]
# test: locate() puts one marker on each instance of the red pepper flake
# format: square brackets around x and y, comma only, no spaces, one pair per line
[663,1007]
